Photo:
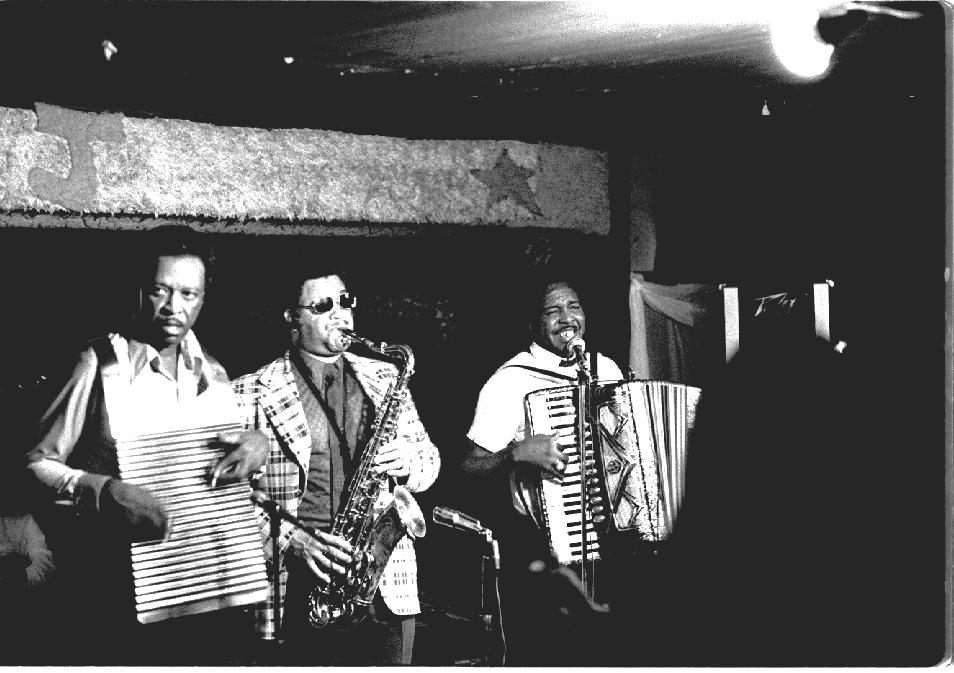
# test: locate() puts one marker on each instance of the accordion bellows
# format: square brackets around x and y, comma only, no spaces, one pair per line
[213,558]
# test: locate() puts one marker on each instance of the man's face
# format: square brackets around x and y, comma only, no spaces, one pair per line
[561,318]
[172,301]
[318,334]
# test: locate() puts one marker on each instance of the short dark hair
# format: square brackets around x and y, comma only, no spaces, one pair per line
[539,284]
[173,240]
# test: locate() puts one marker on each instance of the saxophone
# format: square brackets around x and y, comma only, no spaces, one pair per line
[372,534]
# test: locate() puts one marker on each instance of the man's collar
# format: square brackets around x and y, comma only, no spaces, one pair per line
[142,354]
[318,366]
[548,359]
[311,358]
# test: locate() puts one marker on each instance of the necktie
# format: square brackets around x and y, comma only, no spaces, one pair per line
[333,395]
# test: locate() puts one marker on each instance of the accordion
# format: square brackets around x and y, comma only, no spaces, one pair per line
[635,463]
[213,558]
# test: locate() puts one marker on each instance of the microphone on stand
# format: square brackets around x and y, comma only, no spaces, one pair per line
[577,348]
[464,522]
[458,520]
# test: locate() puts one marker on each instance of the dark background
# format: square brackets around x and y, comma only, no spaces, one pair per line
[846,179]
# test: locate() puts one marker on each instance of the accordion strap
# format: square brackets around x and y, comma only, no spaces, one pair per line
[556,375]
[545,372]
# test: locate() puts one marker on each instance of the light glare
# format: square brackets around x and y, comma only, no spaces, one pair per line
[795,40]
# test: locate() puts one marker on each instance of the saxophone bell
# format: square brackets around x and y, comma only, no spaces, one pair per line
[409,512]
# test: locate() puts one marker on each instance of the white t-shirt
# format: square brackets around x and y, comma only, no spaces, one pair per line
[500,417]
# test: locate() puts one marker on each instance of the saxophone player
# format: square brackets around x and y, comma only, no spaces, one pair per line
[317,404]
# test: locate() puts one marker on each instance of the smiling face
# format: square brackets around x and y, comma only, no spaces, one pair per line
[318,334]
[561,318]
[172,300]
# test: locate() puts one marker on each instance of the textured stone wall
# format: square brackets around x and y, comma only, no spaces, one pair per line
[61,161]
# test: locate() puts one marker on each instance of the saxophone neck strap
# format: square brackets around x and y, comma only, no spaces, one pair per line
[305,374]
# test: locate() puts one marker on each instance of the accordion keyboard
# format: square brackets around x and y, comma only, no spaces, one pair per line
[554,411]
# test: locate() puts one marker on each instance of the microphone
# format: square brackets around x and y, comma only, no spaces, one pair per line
[454,519]
[269,505]
[577,347]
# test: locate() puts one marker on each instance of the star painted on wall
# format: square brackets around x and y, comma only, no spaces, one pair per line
[507,180]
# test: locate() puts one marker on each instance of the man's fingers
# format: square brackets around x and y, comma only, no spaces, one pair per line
[226,469]
[337,544]
[389,455]
[395,467]
[230,436]
[339,555]
[324,558]
[323,576]
[389,465]
[388,450]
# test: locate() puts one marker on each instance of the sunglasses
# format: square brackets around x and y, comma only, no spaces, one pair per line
[325,304]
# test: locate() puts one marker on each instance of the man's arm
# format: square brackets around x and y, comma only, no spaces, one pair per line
[479,462]
[538,450]
[131,510]
[422,460]
[59,430]
[492,447]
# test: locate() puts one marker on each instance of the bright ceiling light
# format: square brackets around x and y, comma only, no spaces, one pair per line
[796,42]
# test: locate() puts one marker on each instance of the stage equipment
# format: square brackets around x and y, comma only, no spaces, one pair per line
[496,643]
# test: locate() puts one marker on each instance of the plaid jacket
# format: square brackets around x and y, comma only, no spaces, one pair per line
[269,401]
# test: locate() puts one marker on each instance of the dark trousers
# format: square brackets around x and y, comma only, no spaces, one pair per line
[380,639]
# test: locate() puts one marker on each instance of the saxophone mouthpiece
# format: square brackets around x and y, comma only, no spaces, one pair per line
[351,337]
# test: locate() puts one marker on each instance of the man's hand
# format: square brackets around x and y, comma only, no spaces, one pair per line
[133,511]
[542,451]
[331,554]
[393,459]
[247,452]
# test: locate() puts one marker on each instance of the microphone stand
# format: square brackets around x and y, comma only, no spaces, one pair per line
[583,419]
[489,580]
[275,515]
[275,523]
[489,586]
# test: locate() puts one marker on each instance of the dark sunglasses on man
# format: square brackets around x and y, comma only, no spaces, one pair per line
[325,304]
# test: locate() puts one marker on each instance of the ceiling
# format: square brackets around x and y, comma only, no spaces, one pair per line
[237,62]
